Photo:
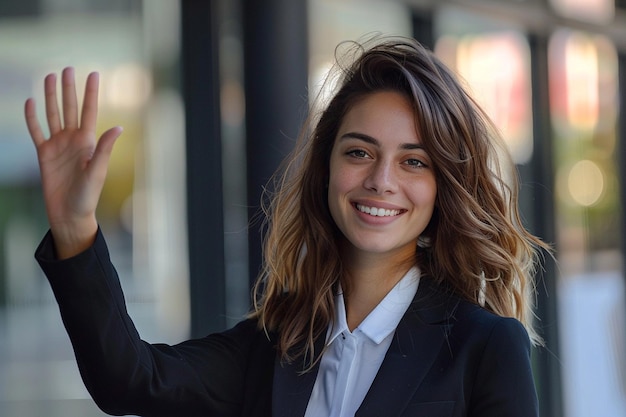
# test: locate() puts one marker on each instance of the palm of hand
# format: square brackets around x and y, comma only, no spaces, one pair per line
[72,163]
[67,172]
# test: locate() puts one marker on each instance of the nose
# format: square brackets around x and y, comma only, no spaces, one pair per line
[381,178]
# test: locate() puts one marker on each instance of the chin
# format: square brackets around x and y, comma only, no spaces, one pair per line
[380,249]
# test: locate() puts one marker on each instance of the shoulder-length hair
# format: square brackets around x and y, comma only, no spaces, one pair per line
[475,242]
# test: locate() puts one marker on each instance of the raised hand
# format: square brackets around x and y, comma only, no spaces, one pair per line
[72,163]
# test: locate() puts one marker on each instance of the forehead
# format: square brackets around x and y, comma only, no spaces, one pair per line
[383,115]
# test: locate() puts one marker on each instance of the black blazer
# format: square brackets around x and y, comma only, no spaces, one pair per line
[448,357]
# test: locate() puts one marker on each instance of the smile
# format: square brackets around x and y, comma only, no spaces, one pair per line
[376,211]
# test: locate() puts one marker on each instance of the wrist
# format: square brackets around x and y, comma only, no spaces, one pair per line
[72,238]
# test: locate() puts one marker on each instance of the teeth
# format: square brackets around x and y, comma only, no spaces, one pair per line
[375,211]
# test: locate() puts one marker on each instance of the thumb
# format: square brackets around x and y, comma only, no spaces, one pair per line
[104,148]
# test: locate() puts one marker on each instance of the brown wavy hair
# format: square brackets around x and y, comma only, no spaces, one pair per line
[475,241]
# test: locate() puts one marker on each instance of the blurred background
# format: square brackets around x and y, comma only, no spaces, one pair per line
[211,95]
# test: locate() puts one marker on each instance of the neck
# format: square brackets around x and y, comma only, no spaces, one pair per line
[368,279]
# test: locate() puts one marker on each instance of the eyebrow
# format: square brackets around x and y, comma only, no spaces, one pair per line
[373,141]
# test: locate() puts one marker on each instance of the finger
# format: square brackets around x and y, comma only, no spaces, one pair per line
[90,104]
[52,107]
[32,123]
[104,148]
[70,108]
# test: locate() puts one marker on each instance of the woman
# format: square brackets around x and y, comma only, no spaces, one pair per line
[397,272]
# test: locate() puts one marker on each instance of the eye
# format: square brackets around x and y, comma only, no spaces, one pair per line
[415,163]
[357,153]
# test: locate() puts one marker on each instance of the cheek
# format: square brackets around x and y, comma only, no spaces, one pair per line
[333,198]
[425,195]
[335,178]
[340,183]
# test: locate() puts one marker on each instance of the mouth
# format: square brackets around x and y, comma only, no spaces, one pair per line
[378,211]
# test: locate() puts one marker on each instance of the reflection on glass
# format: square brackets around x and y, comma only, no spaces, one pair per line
[585,183]
[583,85]
[332,22]
[574,82]
[38,374]
[496,69]
[128,86]
[594,11]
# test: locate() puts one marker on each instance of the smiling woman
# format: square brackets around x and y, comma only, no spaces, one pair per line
[400,134]
[382,189]
[397,272]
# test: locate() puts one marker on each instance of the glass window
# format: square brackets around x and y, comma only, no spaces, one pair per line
[583,91]
[493,60]
[495,67]
[144,189]
[592,11]
[332,22]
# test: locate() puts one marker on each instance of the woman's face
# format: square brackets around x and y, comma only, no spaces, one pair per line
[382,188]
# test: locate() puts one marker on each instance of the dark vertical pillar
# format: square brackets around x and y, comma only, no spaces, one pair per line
[276,71]
[621,154]
[537,205]
[423,28]
[200,86]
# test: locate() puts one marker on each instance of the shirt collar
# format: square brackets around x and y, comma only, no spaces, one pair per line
[384,319]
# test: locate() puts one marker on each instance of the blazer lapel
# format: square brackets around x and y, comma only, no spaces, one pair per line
[416,344]
[292,389]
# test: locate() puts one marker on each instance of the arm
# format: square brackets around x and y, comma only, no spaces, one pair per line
[123,373]
[504,384]
[127,375]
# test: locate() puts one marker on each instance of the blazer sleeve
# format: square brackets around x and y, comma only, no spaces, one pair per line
[126,375]
[504,384]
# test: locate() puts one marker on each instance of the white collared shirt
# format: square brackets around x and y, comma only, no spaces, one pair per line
[352,359]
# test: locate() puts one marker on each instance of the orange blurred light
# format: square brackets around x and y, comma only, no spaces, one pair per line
[581,81]
[495,67]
